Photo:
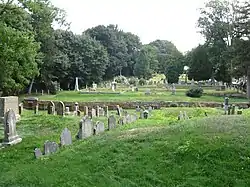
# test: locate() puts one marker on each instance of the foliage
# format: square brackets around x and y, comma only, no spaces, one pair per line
[133,81]
[142,81]
[194,92]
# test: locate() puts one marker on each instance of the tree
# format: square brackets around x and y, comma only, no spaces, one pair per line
[200,66]
[146,63]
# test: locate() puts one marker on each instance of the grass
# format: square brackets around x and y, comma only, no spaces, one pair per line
[156,95]
[160,151]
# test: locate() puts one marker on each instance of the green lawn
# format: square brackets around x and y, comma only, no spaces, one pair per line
[160,151]
[156,95]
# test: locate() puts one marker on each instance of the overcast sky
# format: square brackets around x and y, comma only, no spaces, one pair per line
[173,20]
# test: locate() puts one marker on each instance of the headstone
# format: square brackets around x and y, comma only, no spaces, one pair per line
[67,112]
[36,109]
[48,92]
[233,110]
[20,108]
[150,109]
[99,128]
[173,89]
[118,109]
[93,113]
[60,109]
[141,114]
[94,86]
[10,133]
[128,118]
[97,111]
[111,122]
[38,153]
[180,117]
[148,92]
[226,104]
[86,110]
[85,128]
[51,108]
[76,108]
[185,115]
[137,108]
[77,85]
[50,147]
[101,111]
[66,138]
[122,120]
[6,103]
[133,117]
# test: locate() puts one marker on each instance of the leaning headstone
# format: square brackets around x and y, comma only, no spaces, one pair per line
[51,108]
[66,138]
[111,122]
[85,128]
[10,133]
[99,128]
[38,153]
[50,147]
[60,109]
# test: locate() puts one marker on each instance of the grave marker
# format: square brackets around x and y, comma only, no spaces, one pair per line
[99,128]
[51,108]
[66,138]
[111,122]
[61,109]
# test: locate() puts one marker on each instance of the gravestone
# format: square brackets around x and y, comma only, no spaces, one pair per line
[60,109]
[66,138]
[128,118]
[122,121]
[180,117]
[101,111]
[226,104]
[93,113]
[5,104]
[145,114]
[10,133]
[148,92]
[118,109]
[185,115]
[150,109]
[67,112]
[173,89]
[38,153]
[137,108]
[36,109]
[20,109]
[51,108]
[133,117]
[141,114]
[76,85]
[97,111]
[111,122]
[76,107]
[86,110]
[85,128]
[50,147]
[233,110]
[99,128]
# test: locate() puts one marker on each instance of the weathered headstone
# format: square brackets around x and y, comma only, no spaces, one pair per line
[93,113]
[101,111]
[85,128]
[111,122]
[37,153]
[141,114]
[97,111]
[50,147]
[226,104]
[66,138]
[173,89]
[118,109]
[10,134]
[6,103]
[150,109]
[99,128]
[36,109]
[20,108]
[137,108]
[86,110]
[51,108]
[60,109]
[67,112]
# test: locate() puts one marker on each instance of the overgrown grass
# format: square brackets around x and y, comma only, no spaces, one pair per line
[156,95]
[160,151]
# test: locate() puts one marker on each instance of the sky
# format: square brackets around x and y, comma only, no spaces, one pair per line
[172,20]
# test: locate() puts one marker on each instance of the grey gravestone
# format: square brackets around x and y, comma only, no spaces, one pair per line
[173,89]
[141,114]
[86,110]
[133,117]
[121,121]
[180,117]
[101,112]
[150,109]
[6,103]
[37,153]
[36,109]
[99,128]
[137,109]
[51,108]
[185,115]
[148,92]
[85,128]
[60,109]
[226,104]
[20,108]
[66,138]
[93,113]
[118,109]
[111,122]
[128,118]
[67,112]
[50,147]
[10,133]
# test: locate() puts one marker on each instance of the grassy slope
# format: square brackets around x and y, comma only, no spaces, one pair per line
[133,96]
[156,152]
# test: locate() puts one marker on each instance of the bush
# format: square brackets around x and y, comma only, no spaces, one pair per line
[173,105]
[142,81]
[133,81]
[194,92]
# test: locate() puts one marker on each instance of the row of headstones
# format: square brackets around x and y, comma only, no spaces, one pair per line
[231,110]
[86,129]
[183,116]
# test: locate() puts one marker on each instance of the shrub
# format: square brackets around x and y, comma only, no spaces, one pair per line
[133,81]
[142,81]
[173,105]
[194,92]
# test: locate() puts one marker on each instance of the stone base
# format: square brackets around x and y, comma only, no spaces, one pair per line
[16,141]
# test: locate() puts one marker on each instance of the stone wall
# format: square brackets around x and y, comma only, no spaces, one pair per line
[133,104]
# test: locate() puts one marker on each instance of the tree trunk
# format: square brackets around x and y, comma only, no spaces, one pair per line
[31,85]
[248,82]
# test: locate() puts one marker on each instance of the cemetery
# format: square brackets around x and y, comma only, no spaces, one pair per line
[86,105]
